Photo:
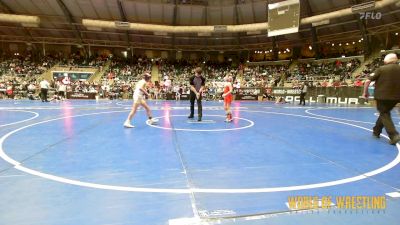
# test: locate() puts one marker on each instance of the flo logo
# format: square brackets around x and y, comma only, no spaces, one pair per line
[371,15]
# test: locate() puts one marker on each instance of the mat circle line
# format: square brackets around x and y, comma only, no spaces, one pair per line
[336,118]
[17,165]
[394,116]
[251,123]
[21,121]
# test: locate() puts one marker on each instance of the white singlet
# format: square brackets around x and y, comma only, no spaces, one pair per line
[138,95]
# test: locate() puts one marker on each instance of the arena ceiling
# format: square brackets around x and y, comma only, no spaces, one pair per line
[61,22]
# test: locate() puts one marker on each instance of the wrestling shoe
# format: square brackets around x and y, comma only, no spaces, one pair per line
[152,121]
[127,124]
[228,120]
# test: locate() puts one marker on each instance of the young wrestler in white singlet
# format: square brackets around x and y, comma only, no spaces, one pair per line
[139,99]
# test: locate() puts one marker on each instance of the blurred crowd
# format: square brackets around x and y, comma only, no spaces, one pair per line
[21,75]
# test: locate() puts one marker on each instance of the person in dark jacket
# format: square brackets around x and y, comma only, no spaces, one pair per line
[197,83]
[303,93]
[387,95]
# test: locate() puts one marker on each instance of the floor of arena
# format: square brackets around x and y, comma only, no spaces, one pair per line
[74,163]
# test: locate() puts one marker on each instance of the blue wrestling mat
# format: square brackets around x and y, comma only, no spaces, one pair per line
[74,163]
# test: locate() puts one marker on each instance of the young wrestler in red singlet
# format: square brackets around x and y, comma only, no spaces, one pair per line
[228,98]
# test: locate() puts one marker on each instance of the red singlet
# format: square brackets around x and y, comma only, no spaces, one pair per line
[228,98]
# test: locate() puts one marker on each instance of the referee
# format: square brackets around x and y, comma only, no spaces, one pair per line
[44,87]
[303,93]
[387,95]
[197,83]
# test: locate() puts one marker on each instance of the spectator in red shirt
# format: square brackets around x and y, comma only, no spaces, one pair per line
[358,83]
[336,83]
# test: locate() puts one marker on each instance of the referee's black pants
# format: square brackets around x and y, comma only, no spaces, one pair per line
[43,93]
[199,106]
[385,120]
[303,98]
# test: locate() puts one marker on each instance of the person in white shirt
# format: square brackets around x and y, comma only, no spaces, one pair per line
[139,100]
[65,82]
[177,94]
[31,91]
[167,84]
[44,87]
[31,88]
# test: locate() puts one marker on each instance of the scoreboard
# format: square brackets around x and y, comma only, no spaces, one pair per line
[283,17]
